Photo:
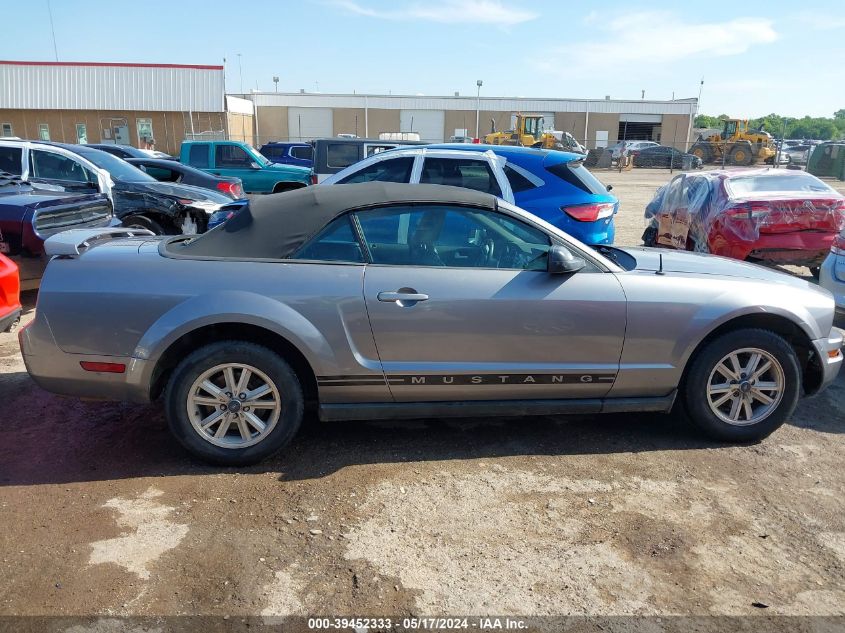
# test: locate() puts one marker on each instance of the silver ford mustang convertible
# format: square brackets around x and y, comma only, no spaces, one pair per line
[384,301]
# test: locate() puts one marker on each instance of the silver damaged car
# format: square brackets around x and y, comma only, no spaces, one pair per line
[382,300]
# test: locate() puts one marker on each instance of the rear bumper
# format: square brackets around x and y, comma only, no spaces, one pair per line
[801,248]
[60,372]
[831,279]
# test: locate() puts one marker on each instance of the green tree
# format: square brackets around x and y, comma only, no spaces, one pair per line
[822,128]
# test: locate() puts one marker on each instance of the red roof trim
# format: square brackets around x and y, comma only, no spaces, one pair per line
[115,64]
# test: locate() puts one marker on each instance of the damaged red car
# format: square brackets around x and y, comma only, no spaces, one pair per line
[10,298]
[770,215]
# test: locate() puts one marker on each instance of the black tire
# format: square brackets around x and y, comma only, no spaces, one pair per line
[205,358]
[815,271]
[143,222]
[695,388]
[704,152]
[741,154]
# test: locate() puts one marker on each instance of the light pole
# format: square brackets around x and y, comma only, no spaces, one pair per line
[478,107]
[276,81]
[241,72]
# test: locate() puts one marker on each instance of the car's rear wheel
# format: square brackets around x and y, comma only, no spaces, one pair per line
[234,403]
[743,385]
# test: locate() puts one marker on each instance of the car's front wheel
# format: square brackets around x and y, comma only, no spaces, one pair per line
[743,385]
[233,403]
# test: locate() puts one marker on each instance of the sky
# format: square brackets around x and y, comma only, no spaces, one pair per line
[754,57]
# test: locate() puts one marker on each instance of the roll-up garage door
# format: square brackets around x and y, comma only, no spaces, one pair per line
[306,124]
[427,123]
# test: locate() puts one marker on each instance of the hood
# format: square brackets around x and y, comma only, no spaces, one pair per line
[648,259]
[36,199]
[291,169]
[173,190]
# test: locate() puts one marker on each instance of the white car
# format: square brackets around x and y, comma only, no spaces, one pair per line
[832,272]
[482,171]
[629,146]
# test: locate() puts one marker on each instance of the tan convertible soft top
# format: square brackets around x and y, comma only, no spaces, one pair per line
[275,226]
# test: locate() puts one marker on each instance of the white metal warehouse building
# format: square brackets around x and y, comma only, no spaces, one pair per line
[305,116]
[118,103]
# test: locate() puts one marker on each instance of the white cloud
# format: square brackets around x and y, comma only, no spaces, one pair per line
[820,21]
[446,11]
[652,38]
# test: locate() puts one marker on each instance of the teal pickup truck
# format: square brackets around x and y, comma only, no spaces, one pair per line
[231,158]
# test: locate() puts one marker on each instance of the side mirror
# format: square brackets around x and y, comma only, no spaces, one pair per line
[562,261]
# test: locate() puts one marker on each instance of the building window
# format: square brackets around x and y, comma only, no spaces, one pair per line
[7,129]
[44,131]
[81,133]
[145,131]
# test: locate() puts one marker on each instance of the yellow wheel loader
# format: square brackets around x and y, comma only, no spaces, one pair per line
[528,132]
[735,145]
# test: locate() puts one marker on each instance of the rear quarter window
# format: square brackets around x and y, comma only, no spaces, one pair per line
[198,156]
[578,176]
[517,181]
[305,153]
[341,155]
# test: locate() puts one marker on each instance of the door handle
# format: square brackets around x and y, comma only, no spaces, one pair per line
[403,296]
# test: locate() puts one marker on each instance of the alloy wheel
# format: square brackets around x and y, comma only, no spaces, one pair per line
[745,386]
[233,405]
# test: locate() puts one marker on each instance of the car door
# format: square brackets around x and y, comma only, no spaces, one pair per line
[56,170]
[233,160]
[382,169]
[462,308]
[483,172]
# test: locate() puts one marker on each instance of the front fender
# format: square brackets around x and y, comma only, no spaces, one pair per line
[798,307]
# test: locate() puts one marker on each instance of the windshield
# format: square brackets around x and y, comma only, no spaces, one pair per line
[119,169]
[257,156]
[800,182]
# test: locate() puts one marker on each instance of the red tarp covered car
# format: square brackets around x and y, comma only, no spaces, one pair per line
[769,215]
[10,298]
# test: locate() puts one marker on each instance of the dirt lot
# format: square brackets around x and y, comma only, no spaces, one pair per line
[103,516]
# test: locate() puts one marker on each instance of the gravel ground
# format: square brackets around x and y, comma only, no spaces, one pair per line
[102,516]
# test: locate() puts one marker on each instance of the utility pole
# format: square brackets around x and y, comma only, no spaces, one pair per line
[241,71]
[52,30]
[478,83]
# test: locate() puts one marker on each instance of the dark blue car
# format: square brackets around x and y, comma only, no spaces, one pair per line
[291,153]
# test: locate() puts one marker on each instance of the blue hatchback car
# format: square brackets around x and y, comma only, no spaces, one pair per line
[288,153]
[552,185]
[557,188]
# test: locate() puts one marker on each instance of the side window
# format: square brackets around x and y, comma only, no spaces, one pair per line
[335,243]
[232,156]
[198,156]
[302,152]
[461,172]
[273,152]
[455,237]
[10,160]
[517,181]
[341,155]
[393,170]
[50,166]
